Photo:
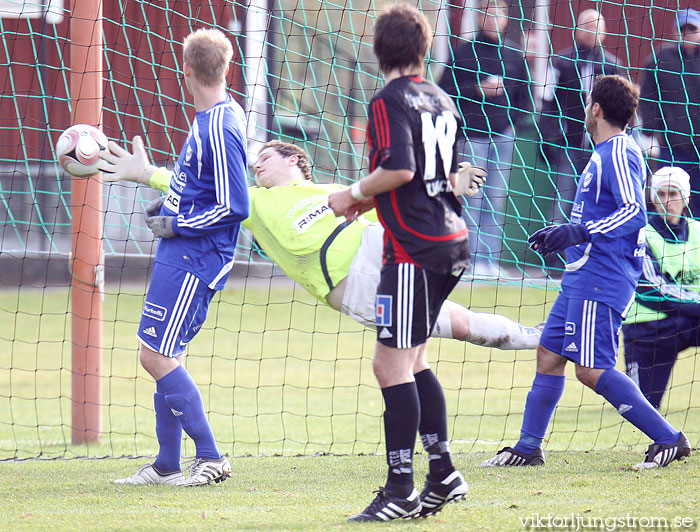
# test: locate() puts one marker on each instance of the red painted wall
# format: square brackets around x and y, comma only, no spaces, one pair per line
[633,29]
[143,92]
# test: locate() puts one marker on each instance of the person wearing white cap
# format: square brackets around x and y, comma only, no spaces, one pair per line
[665,317]
[670,100]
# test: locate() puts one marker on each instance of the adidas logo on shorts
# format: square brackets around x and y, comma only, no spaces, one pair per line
[385,333]
[571,347]
[175,412]
[150,331]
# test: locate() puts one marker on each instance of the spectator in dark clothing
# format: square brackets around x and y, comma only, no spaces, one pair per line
[670,101]
[489,81]
[566,145]
[664,319]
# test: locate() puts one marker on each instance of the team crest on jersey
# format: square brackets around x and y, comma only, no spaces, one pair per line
[383,304]
[587,178]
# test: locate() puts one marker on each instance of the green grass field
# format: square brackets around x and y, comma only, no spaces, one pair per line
[289,377]
[308,494]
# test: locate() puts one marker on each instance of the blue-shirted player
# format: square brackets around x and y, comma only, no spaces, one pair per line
[197,222]
[604,245]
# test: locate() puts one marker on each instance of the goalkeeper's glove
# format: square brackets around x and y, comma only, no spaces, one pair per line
[161,226]
[153,206]
[561,237]
[118,164]
[469,179]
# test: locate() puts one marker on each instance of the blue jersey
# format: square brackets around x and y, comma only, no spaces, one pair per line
[610,202]
[209,195]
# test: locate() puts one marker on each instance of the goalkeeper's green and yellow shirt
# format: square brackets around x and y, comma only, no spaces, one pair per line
[296,228]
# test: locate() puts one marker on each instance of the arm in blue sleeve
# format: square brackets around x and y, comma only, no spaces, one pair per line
[626,184]
[657,292]
[230,183]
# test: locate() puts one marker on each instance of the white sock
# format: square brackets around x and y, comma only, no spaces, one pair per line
[494,330]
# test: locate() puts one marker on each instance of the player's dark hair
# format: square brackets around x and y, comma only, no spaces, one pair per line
[285,149]
[618,97]
[402,37]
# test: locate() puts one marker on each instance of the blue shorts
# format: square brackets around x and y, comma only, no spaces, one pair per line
[175,309]
[584,331]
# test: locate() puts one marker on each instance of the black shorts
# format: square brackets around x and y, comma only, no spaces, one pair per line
[408,303]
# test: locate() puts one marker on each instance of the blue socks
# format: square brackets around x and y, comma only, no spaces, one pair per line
[185,404]
[541,401]
[616,387]
[621,391]
[169,434]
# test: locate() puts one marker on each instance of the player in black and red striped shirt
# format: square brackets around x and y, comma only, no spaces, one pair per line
[413,172]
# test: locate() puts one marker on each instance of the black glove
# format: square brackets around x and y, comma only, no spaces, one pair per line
[537,238]
[561,237]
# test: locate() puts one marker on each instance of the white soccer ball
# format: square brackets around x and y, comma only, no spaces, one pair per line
[78,149]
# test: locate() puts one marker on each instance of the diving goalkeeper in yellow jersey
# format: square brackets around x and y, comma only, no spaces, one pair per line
[336,260]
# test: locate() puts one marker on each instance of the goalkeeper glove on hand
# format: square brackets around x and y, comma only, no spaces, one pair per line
[153,207]
[118,164]
[564,236]
[469,179]
[537,238]
[161,226]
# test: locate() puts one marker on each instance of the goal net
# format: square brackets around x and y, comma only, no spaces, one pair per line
[280,372]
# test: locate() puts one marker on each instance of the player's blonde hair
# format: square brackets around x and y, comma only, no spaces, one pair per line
[208,53]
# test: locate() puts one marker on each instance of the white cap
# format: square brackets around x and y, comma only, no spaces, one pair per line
[670,176]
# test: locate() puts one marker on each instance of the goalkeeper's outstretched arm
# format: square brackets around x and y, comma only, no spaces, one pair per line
[117,164]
